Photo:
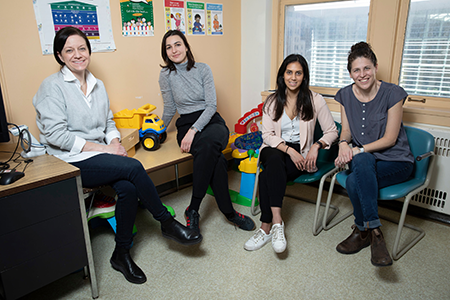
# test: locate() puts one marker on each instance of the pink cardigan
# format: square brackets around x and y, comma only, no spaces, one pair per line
[271,131]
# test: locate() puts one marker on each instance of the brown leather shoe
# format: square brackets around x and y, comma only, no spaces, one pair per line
[355,242]
[380,254]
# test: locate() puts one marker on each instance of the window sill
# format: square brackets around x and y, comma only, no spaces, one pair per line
[425,115]
[413,114]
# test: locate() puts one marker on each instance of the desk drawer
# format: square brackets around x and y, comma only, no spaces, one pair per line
[33,241]
[36,273]
[26,208]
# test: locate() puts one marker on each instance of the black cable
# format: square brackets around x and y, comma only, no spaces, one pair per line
[5,165]
[27,162]
[25,141]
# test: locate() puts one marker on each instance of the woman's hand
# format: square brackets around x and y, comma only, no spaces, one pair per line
[186,142]
[311,159]
[116,148]
[298,160]
[345,155]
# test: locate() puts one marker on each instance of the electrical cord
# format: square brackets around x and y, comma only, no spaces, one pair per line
[5,165]
[25,143]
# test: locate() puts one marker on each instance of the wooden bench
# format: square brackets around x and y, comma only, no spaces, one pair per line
[168,154]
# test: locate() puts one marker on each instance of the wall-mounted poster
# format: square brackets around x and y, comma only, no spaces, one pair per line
[214,18]
[93,17]
[174,13]
[196,18]
[137,17]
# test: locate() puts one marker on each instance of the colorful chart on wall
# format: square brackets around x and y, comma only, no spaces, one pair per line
[214,18]
[196,18]
[174,15]
[93,17]
[137,17]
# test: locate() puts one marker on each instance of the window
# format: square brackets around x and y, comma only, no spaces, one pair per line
[411,39]
[425,68]
[323,33]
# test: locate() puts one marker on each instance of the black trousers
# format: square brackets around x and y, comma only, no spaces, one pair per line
[278,170]
[129,179]
[210,165]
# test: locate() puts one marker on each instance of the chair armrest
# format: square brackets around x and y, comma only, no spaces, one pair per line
[423,156]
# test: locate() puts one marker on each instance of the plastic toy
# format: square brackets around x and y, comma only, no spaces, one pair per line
[241,126]
[248,172]
[246,124]
[152,131]
[243,143]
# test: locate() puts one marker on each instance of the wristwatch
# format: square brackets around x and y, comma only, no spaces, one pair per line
[320,144]
[361,150]
[195,129]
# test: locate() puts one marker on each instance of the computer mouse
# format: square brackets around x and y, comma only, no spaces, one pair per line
[8,178]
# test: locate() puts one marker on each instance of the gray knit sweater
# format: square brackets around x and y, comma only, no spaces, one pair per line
[62,114]
[188,91]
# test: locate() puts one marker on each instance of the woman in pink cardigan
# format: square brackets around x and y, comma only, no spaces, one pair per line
[288,122]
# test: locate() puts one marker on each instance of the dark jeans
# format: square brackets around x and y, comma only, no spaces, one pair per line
[131,182]
[210,166]
[278,170]
[367,176]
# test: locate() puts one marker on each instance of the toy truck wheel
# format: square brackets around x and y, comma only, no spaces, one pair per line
[162,137]
[150,142]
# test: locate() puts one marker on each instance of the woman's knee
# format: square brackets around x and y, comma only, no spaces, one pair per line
[133,166]
[125,189]
[214,136]
[363,161]
[272,157]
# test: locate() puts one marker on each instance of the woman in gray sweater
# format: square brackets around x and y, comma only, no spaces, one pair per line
[76,125]
[188,87]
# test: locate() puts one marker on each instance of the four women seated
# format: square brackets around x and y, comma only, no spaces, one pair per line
[77,126]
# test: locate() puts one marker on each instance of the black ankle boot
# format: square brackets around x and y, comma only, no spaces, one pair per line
[172,229]
[122,262]
[192,219]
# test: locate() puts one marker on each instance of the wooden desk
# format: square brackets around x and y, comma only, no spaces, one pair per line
[43,229]
[169,154]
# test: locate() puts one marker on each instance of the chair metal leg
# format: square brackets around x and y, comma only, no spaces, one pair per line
[317,228]
[255,209]
[396,252]
[326,224]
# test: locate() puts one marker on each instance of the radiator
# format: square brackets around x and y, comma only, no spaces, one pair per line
[436,196]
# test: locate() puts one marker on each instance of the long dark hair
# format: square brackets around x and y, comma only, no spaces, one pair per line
[169,64]
[60,40]
[361,49]
[304,106]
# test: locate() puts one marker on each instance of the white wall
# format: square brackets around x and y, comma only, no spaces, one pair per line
[256,22]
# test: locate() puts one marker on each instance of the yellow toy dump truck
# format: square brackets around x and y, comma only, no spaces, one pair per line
[152,131]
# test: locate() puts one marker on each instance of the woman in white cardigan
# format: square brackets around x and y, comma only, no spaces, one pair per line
[288,122]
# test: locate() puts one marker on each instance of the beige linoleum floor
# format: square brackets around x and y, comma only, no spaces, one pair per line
[219,267]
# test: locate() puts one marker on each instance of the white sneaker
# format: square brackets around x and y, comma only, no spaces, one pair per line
[278,238]
[258,240]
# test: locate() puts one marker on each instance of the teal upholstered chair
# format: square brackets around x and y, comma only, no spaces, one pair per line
[422,146]
[326,168]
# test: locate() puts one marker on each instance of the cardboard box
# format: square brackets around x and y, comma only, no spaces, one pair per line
[130,137]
